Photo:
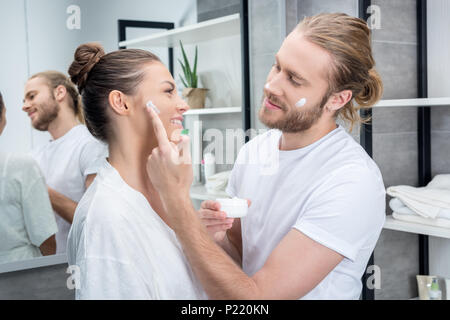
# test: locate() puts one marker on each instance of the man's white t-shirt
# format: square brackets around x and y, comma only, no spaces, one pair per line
[26,215]
[123,249]
[331,191]
[65,164]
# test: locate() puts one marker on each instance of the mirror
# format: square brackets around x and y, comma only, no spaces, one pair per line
[37,175]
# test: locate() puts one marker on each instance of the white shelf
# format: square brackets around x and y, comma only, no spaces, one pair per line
[192,34]
[426,102]
[212,111]
[199,192]
[397,225]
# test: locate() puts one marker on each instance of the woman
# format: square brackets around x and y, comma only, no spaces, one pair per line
[119,238]
[27,221]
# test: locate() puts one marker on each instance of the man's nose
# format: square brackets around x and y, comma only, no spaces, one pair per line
[273,87]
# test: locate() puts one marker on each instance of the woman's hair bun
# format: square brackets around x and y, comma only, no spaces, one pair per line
[85,58]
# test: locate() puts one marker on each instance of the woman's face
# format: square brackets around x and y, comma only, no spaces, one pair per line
[159,87]
[3,120]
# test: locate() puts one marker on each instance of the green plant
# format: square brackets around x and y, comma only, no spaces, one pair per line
[190,76]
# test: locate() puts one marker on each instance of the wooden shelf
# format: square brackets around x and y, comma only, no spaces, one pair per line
[192,34]
[397,225]
[425,102]
[205,111]
[199,192]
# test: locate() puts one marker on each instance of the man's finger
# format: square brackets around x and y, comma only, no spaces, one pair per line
[158,128]
[212,214]
[210,204]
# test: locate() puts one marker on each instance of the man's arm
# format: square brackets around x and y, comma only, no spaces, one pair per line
[48,247]
[294,268]
[63,205]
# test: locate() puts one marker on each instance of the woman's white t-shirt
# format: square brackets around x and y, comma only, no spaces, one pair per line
[331,191]
[123,249]
[26,215]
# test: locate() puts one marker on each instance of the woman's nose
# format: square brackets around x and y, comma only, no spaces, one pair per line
[182,106]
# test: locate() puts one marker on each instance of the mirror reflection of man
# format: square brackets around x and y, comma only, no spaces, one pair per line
[68,161]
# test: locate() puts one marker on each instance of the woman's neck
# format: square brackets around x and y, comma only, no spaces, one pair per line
[129,158]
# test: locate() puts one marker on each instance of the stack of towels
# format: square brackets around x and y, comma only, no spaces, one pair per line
[428,205]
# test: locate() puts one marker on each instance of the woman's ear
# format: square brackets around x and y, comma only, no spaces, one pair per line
[117,101]
[338,100]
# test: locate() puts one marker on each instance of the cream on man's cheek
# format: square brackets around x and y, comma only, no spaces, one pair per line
[300,103]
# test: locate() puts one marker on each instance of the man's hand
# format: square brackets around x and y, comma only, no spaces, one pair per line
[169,165]
[214,220]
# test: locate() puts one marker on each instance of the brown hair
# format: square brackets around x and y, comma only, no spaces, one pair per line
[97,74]
[55,79]
[2,106]
[348,40]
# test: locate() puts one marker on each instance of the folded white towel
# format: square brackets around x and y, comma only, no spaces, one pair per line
[442,223]
[425,201]
[217,182]
[398,206]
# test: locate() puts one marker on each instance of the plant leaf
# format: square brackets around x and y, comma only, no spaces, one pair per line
[186,62]
[184,82]
[195,62]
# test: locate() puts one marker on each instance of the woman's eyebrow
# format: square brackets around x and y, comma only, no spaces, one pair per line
[169,82]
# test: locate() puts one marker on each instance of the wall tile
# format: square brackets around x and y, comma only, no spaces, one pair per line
[440,119]
[398,21]
[312,7]
[48,283]
[396,254]
[389,120]
[440,151]
[397,66]
[396,156]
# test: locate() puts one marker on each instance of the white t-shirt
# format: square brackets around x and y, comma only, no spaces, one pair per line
[65,163]
[123,249]
[26,215]
[331,191]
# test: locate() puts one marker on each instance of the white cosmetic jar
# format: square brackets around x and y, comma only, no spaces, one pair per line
[234,208]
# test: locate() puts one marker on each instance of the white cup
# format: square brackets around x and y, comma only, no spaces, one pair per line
[234,208]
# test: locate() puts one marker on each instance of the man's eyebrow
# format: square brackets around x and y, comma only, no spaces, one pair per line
[293,73]
[28,94]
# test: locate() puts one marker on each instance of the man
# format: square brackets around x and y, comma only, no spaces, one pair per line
[314,221]
[68,161]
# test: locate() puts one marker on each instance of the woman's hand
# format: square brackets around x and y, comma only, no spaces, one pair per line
[215,221]
[169,166]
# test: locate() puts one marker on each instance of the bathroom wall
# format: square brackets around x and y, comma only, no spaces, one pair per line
[395,139]
[439,86]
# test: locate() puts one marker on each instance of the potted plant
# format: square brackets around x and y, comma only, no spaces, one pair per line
[195,96]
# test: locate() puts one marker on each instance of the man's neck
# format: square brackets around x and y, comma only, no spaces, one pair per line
[62,124]
[293,141]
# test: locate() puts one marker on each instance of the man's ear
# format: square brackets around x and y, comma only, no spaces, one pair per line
[117,101]
[338,100]
[60,93]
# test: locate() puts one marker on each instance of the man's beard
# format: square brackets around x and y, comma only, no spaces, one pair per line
[293,120]
[47,113]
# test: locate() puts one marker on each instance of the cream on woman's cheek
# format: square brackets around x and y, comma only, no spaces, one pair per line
[151,105]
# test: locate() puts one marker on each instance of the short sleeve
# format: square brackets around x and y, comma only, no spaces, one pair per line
[92,156]
[38,214]
[232,189]
[109,279]
[345,212]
